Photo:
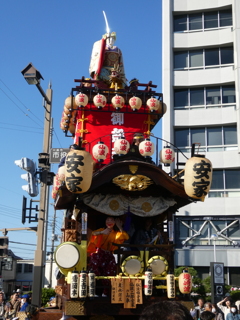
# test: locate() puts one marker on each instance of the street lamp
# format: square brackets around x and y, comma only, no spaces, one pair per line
[214,237]
[33,76]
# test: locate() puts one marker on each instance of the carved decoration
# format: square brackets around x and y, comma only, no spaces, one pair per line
[132,183]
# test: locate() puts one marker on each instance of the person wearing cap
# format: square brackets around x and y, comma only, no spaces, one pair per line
[24,302]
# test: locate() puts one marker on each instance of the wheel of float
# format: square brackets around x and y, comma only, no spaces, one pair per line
[132,266]
[67,255]
[159,265]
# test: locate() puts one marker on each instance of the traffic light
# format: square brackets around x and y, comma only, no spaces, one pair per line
[3,246]
[30,176]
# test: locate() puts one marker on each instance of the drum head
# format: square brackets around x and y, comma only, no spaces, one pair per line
[159,265]
[67,256]
[132,265]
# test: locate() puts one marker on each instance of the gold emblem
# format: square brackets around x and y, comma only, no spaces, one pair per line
[146,207]
[132,183]
[114,205]
[133,169]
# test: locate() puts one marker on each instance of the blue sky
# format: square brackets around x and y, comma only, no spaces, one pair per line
[57,37]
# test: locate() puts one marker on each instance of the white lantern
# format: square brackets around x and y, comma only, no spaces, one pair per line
[100,151]
[100,101]
[163,108]
[167,155]
[61,174]
[171,286]
[121,146]
[70,103]
[146,148]
[135,103]
[118,102]
[74,285]
[83,285]
[91,285]
[185,282]
[197,177]
[81,100]
[153,104]
[148,283]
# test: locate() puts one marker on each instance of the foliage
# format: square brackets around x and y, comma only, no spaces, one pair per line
[235,295]
[47,293]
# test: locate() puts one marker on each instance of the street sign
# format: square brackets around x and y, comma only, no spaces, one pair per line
[57,154]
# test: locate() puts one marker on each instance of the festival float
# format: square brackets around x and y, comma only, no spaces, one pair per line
[111,184]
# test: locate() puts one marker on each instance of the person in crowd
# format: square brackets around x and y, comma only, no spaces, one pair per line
[225,306]
[2,305]
[207,315]
[24,302]
[198,309]
[214,309]
[166,310]
[101,248]
[233,314]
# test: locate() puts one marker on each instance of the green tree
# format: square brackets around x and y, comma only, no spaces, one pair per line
[47,293]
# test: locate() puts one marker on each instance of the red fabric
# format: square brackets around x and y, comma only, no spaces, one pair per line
[101,57]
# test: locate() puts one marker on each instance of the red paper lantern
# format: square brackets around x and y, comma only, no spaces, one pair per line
[146,148]
[197,177]
[100,101]
[81,100]
[118,102]
[185,282]
[121,146]
[100,151]
[153,104]
[135,103]
[167,155]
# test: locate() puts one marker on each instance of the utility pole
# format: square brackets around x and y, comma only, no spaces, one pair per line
[52,248]
[39,259]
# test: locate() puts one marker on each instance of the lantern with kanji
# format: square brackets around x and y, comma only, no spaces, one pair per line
[148,282]
[146,148]
[100,151]
[83,285]
[171,286]
[118,102]
[167,156]
[197,177]
[153,104]
[81,100]
[135,103]
[74,286]
[100,101]
[78,171]
[185,282]
[121,146]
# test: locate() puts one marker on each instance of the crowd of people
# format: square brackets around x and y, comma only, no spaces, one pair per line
[225,309]
[10,308]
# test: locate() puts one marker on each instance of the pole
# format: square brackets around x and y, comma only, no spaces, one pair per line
[214,248]
[52,248]
[39,258]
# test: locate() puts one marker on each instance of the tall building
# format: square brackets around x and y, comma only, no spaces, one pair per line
[201,87]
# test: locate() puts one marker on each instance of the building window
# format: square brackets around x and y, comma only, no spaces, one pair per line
[207,97]
[28,268]
[203,58]
[198,231]
[19,267]
[202,21]
[225,183]
[222,138]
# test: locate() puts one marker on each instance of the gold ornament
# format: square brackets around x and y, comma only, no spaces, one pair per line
[132,183]
[146,207]
[114,205]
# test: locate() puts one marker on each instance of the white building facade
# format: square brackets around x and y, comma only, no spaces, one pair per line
[201,87]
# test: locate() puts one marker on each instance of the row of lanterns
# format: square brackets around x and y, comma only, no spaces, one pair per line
[122,146]
[68,115]
[118,102]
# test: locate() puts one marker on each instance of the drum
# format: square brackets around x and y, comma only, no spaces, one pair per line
[159,265]
[67,256]
[133,266]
